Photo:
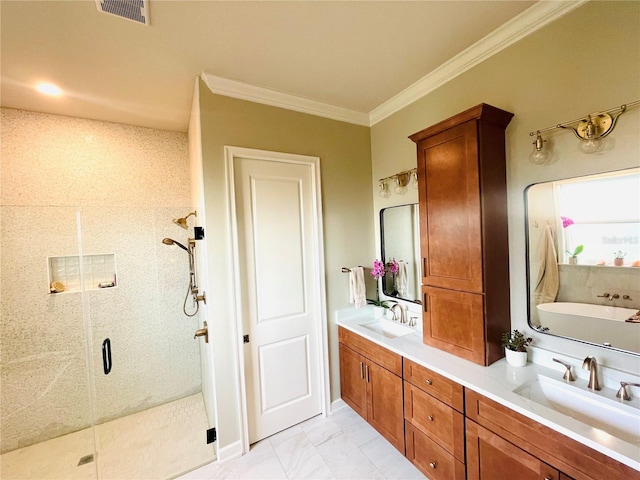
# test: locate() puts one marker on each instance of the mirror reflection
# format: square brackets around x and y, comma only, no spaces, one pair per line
[583,258]
[400,232]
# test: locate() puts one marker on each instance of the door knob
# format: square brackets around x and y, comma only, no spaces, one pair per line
[203,332]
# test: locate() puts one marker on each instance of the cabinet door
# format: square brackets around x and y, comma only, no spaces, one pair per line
[490,456]
[454,322]
[353,388]
[384,404]
[450,226]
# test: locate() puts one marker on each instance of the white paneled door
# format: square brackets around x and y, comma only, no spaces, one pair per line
[280,269]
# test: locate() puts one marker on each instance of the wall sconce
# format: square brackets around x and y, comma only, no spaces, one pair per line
[401,180]
[539,155]
[589,131]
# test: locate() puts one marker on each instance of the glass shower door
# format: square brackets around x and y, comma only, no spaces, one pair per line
[150,416]
[46,411]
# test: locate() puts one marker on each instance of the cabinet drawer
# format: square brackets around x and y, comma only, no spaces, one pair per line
[435,419]
[434,384]
[380,355]
[431,459]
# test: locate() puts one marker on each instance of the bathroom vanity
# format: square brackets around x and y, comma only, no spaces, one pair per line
[461,420]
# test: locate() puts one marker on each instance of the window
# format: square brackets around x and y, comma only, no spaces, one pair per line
[601,213]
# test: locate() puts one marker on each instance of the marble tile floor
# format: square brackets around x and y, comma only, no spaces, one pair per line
[340,446]
[154,444]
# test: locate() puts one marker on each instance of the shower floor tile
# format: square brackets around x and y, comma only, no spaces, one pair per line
[158,443]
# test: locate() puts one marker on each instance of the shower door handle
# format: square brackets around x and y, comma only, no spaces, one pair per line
[106,356]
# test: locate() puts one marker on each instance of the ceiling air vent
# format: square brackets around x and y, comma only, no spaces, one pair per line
[134,10]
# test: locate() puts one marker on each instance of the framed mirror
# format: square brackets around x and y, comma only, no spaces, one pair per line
[400,242]
[583,258]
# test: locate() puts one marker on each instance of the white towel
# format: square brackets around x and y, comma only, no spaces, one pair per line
[357,289]
[402,280]
[548,278]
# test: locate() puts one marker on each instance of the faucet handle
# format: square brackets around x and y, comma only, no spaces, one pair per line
[568,376]
[604,295]
[622,393]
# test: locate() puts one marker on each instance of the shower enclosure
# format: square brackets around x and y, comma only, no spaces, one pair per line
[101,375]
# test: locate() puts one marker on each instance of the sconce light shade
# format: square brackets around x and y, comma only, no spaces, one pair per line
[384,190]
[415,179]
[539,155]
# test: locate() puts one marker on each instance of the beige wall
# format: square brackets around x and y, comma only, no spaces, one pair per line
[344,152]
[126,184]
[585,62]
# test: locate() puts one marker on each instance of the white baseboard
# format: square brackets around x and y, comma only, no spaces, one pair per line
[337,405]
[230,452]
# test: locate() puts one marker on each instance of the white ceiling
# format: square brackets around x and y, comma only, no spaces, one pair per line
[354,55]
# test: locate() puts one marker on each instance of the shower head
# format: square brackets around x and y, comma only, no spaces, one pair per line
[182,222]
[170,241]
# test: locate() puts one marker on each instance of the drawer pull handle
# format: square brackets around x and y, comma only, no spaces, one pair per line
[430,417]
[367,369]
[429,382]
[361,370]
[433,465]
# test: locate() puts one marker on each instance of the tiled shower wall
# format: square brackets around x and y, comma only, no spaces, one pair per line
[121,185]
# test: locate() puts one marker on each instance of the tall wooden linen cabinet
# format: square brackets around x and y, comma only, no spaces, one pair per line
[464,237]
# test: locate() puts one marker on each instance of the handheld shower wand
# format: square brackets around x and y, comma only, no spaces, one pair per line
[170,241]
[192,288]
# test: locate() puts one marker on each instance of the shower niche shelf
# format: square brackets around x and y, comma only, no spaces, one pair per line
[98,271]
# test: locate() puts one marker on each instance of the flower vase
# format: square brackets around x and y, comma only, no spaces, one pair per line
[618,262]
[516,359]
[379,312]
[573,260]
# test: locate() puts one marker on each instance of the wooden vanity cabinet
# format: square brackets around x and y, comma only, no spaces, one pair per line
[498,437]
[491,457]
[463,230]
[434,423]
[371,384]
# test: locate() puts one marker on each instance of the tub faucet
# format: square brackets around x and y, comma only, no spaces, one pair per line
[591,365]
[403,315]
[609,296]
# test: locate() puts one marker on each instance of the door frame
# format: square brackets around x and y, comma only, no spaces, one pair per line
[231,153]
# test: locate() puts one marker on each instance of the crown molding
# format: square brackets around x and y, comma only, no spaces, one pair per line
[532,19]
[244,91]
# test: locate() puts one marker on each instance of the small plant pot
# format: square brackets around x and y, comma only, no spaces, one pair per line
[573,260]
[516,359]
[378,312]
[618,262]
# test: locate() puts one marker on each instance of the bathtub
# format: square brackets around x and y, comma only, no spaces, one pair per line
[598,324]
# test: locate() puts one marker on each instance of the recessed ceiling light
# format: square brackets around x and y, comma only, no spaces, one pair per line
[49,89]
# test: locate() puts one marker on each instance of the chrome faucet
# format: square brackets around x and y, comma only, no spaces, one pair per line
[622,393]
[591,364]
[403,314]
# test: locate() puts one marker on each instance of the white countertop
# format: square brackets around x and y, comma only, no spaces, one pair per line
[497,382]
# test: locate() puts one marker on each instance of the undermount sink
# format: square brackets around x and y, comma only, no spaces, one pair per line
[594,409]
[388,328]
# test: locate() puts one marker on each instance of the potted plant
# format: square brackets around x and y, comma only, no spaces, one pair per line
[573,256]
[380,307]
[618,259]
[515,347]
